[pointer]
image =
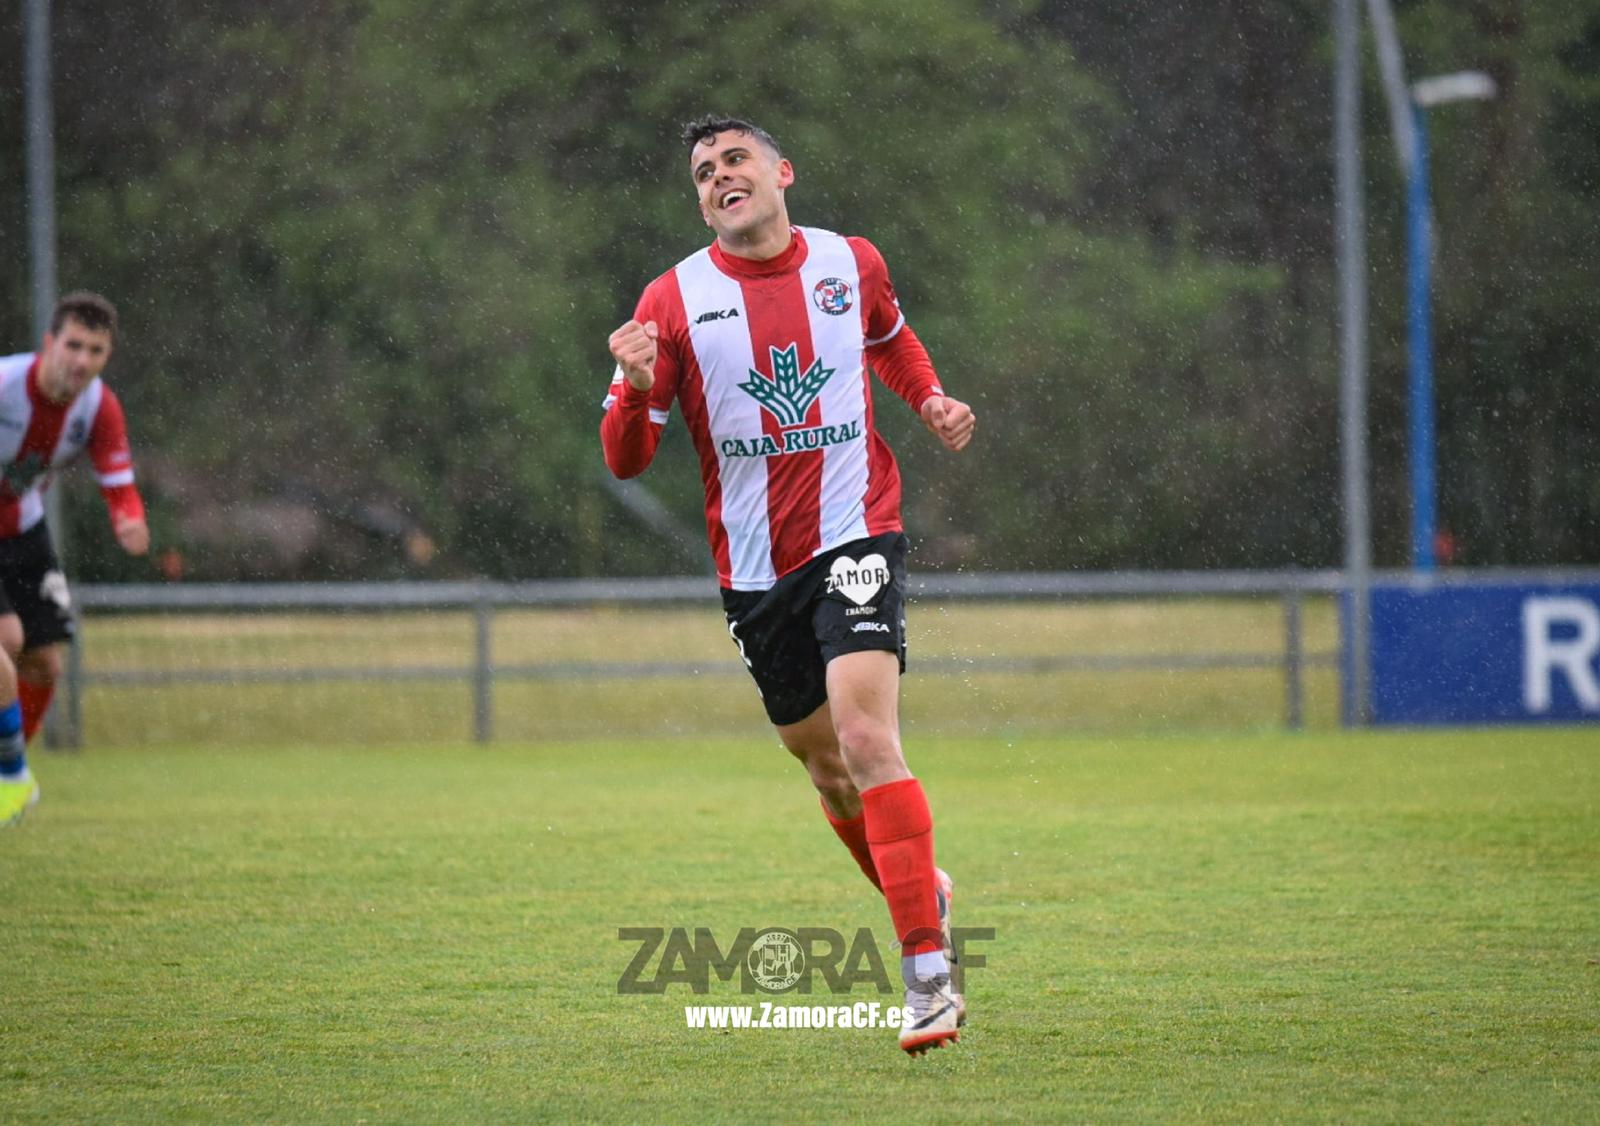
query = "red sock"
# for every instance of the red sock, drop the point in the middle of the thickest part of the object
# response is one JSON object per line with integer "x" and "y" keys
{"x": 854, "y": 835}
{"x": 900, "y": 833}
{"x": 35, "y": 696}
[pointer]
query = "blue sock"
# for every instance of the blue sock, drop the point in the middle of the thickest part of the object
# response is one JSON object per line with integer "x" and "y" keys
{"x": 13, "y": 762}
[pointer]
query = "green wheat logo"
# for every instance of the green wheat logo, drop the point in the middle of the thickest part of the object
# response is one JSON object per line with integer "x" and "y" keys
{"x": 788, "y": 395}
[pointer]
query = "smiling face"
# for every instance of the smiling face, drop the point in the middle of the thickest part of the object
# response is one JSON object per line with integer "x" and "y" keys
{"x": 740, "y": 182}
{"x": 71, "y": 358}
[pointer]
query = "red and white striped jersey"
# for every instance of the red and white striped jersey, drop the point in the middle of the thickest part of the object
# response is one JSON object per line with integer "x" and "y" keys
{"x": 37, "y": 436}
{"x": 769, "y": 363}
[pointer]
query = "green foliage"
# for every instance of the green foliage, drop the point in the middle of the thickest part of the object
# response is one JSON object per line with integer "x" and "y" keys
{"x": 368, "y": 254}
{"x": 1516, "y": 217}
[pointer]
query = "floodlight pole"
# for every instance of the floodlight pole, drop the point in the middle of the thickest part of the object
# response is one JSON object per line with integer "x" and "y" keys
{"x": 41, "y": 164}
{"x": 41, "y": 157}
{"x": 1425, "y": 94}
{"x": 1419, "y": 344}
{"x": 1351, "y": 245}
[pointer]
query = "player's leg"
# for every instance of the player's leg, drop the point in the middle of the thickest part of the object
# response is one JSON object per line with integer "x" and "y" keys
{"x": 863, "y": 693}
{"x": 18, "y": 790}
{"x": 860, "y": 627}
{"x": 863, "y": 697}
{"x": 858, "y": 622}
{"x": 37, "y": 588}
{"x": 37, "y": 674}
{"x": 39, "y": 669}
{"x": 814, "y": 743}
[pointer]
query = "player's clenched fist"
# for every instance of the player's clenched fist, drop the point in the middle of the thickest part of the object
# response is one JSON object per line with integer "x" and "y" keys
{"x": 634, "y": 347}
{"x": 951, "y": 419}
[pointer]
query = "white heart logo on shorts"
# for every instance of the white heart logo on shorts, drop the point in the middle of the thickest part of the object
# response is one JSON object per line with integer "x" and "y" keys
{"x": 858, "y": 581}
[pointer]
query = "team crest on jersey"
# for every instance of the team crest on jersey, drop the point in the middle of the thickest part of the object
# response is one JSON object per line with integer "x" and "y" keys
{"x": 788, "y": 397}
{"x": 833, "y": 296}
{"x": 78, "y": 431}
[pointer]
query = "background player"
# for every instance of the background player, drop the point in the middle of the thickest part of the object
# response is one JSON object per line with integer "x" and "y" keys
{"x": 764, "y": 340}
{"x": 53, "y": 406}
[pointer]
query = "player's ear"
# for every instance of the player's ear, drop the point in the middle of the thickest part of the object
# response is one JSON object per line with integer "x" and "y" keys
{"x": 785, "y": 173}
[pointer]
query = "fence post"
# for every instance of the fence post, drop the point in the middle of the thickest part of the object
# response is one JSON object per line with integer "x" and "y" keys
{"x": 64, "y": 729}
{"x": 482, "y": 670}
{"x": 1294, "y": 699}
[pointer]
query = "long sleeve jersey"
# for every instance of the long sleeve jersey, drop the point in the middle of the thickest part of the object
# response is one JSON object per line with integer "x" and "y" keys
{"x": 37, "y": 436}
{"x": 770, "y": 365}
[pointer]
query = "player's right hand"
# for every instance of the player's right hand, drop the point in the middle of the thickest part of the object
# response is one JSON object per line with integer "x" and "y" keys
{"x": 634, "y": 348}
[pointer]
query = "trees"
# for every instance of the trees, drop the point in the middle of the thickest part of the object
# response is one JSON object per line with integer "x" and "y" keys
{"x": 368, "y": 254}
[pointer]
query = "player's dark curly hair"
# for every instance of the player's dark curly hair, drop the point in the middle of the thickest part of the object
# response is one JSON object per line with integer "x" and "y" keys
{"x": 704, "y": 128}
{"x": 89, "y": 309}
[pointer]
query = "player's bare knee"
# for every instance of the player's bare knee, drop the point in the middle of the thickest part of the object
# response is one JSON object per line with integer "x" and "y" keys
{"x": 867, "y": 740}
{"x": 11, "y": 636}
{"x": 810, "y": 743}
{"x": 823, "y": 762}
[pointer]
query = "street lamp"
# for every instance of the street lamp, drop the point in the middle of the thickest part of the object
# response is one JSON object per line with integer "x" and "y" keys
{"x": 1425, "y": 94}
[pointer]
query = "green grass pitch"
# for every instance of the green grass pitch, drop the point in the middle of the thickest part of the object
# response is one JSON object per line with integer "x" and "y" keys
{"x": 1390, "y": 927}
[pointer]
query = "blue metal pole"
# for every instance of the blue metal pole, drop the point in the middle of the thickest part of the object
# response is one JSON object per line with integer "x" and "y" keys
{"x": 1419, "y": 342}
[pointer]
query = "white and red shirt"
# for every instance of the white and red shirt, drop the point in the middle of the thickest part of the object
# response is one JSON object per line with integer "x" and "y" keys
{"x": 769, "y": 363}
{"x": 37, "y": 436}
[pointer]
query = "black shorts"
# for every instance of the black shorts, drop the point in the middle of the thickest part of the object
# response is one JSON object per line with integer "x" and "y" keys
{"x": 849, "y": 599}
{"x": 33, "y": 587}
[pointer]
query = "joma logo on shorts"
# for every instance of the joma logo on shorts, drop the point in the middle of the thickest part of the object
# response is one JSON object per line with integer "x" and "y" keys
{"x": 869, "y": 627}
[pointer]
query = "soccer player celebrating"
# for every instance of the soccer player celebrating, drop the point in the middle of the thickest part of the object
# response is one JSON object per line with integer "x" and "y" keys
{"x": 765, "y": 339}
{"x": 53, "y": 406}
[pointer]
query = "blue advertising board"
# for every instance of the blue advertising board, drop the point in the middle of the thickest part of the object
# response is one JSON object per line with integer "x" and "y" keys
{"x": 1446, "y": 654}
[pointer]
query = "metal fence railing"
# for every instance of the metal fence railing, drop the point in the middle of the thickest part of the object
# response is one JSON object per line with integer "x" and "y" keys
{"x": 473, "y": 659}
{"x": 485, "y": 600}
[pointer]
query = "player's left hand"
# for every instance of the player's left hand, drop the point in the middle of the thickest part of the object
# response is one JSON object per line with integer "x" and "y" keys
{"x": 133, "y": 536}
{"x": 950, "y": 419}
